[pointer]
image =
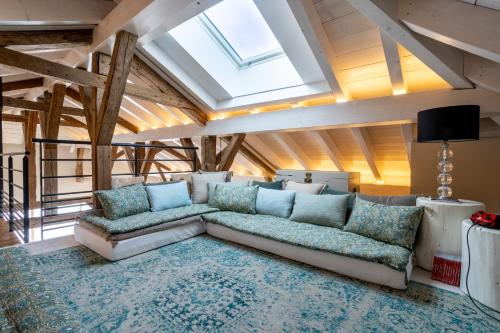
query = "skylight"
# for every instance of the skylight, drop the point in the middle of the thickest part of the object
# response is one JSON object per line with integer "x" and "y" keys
{"x": 242, "y": 31}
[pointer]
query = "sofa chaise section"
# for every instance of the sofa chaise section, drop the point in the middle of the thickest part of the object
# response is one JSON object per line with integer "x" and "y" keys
{"x": 325, "y": 247}
{"x": 132, "y": 235}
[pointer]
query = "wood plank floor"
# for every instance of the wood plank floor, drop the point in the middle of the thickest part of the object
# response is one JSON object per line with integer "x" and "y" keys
{"x": 7, "y": 238}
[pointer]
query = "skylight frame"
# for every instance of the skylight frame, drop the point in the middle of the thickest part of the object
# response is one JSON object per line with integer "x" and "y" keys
{"x": 230, "y": 51}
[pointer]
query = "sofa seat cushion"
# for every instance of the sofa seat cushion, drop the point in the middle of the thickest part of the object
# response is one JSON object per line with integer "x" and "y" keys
{"x": 144, "y": 220}
{"x": 314, "y": 237}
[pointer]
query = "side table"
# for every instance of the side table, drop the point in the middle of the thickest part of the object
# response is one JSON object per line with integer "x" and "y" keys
{"x": 484, "y": 274}
{"x": 440, "y": 230}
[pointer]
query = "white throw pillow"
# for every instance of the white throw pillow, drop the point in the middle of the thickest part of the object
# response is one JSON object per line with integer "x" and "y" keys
{"x": 121, "y": 181}
{"x": 200, "y": 185}
{"x": 309, "y": 188}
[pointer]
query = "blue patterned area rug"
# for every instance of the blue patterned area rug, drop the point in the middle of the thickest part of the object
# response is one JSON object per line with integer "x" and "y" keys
{"x": 207, "y": 285}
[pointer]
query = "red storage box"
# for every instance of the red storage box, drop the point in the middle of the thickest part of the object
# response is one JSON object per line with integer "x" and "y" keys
{"x": 446, "y": 269}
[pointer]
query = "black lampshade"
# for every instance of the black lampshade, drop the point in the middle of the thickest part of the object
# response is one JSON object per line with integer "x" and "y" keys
{"x": 449, "y": 123}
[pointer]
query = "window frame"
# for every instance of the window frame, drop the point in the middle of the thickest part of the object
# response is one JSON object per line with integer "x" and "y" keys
{"x": 219, "y": 38}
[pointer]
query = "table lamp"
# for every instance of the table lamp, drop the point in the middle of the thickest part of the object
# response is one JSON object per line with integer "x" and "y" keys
{"x": 445, "y": 124}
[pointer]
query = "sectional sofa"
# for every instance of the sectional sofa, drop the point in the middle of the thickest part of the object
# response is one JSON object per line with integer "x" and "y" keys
{"x": 309, "y": 228}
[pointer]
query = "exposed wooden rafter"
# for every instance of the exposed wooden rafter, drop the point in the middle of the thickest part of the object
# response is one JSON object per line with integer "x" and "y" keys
{"x": 230, "y": 151}
{"x": 48, "y": 38}
{"x": 29, "y": 63}
{"x": 313, "y": 30}
{"x": 22, "y": 84}
{"x": 293, "y": 149}
{"x": 38, "y": 106}
{"x": 329, "y": 147}
{"x": 142, "y": 71}
{"x": 463, "y": 25}
{"x": 116, "y": 82}
{"x": 247, "y": 151}
{"x": 387, "y": 110}
{"x": 444, "y": 61}
{"x": 394, "y": 65}
{"x": 362, "y": 138}
{"x": 407, "y": 133}
{"x": 191, "y": 153}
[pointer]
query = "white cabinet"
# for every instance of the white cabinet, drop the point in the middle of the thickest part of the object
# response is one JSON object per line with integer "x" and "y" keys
{"x": 340, "y": 181}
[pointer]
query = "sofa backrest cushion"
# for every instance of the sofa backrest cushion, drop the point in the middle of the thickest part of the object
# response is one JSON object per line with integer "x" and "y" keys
{"x": 309, "y": 188}
{"x": 277, "y": 185}
{"x": 168, "y": 195}
{"x": 327, "y": 210}
{"x": 396, "y": 225}
{"x": 183, "y": 176}
{"x": 391, "y": 200}
{"x": 200, "y": 181}
{"x": 121, "y": 181}
{"x": 240, "y": 199}
{"x": 213, "y": 185}
{"x": 350, "y": 200}
{"x": 123, "y": 201}
{"x": 275, "y": 202}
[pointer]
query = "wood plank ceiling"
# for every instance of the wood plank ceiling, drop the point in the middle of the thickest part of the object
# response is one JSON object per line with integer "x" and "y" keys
{"x": 363, "y": 56}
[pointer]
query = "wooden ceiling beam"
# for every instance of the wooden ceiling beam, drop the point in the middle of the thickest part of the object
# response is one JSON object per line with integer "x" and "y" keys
{"x": 254, "y": 157}
{"x": 21, "y": 119}
{"x": 171, "y": 151}
{"x": 264, "y": 149}
{"x": 55, "y": 109}
{"x": 229, "y": 153}
{"x": 73, "y": 121}
{"x": 119, "y": 68}
{"x": 47, "y": 38}
{"x": 32, "y": 64}
{"x": 77, "y": 96}
{"x": 362, "y": 138}
{"x": 463, "y": 25}
{"x": 407, "y": 133}
{"x": 286, "y": 141}
{"x": 329, "y": 147}
{"x": 155, "y": 82}
{"x": 443, "y": 60}
{"x": 22, "y": 84}
{"x": 310, "y": 23}
{"x": 394, "y": 65}
{"x": 387, "y": 110}
{"x": 38, "y": 106}
{"x": 191, "y": 153}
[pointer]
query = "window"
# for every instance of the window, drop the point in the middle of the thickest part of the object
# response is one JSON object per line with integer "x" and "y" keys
{"x": 240, "y": 29}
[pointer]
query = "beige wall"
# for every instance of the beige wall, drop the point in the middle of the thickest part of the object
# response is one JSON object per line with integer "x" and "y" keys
{"x": 476, "y": 173}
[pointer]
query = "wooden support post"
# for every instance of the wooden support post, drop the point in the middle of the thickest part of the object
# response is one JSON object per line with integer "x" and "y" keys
{"x": 147, "y": 164}
{"x": 29, "y": 129}
{"x": 229, "y": 153}
{"x": 50, "y": 130}
{"x": 80, "y": 152}
{"x": 209, "y": 152}
{"x": 121, "y": 59}
{"x": 139, "y": 154}
{"x": 129, "y": 154}
{"x": 191, "y": 153}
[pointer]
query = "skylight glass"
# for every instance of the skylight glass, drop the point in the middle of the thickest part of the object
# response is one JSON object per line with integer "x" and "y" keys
{"x": 242, "y": 31}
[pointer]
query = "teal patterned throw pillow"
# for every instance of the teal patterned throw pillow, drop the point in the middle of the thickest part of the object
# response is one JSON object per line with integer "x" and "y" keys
{"x": 396, "y": 225}
{"x": 235, "y": 198}
{"x": 123, "y": 201}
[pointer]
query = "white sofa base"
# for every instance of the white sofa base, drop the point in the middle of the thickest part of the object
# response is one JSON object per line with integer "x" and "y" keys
{"x": 356, "y": 268}
{"x": 133, "y": 246}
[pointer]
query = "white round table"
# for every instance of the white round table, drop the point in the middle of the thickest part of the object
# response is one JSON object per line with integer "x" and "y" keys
{"x": 484, "y": 275}
{"x": 440, "y": 230}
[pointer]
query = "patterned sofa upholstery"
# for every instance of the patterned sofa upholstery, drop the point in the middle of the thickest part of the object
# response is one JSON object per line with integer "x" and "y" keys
{"x": 326, "y": 247}
{"x": 135, "y": 234}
